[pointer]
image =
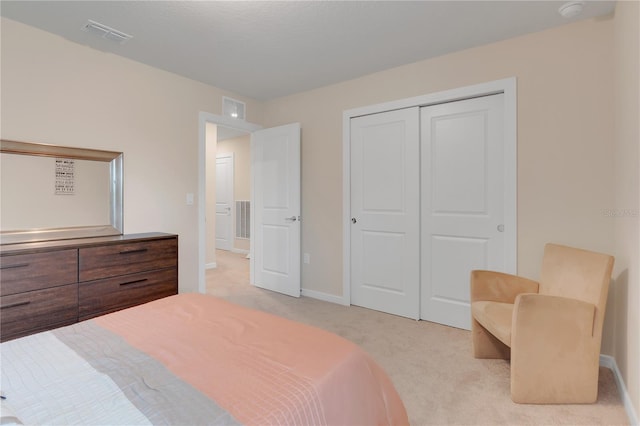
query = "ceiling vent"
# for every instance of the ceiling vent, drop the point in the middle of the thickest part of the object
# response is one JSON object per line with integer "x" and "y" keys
{"x": 106, "y": 32}
{"x": 233, "y": 108}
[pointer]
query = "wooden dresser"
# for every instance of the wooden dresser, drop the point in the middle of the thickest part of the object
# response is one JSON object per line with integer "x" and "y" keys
{"x": 50, "y": 284}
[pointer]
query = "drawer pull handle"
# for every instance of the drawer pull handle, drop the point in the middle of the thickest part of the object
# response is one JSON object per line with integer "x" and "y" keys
{"x": 17, "y": 265}
{"x": 14, "y": 305}
{"x": 134, "y": 282}
{"x": 142, "y": 250}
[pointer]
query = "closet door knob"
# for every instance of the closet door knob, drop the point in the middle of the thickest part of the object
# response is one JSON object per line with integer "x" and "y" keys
{"x": 500, "y": 228}
{"x": 353, "y": 220}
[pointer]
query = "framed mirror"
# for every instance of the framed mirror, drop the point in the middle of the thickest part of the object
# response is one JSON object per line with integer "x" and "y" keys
{"x": 50, "y": 192}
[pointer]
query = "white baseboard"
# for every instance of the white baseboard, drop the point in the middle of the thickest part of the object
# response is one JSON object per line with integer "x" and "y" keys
{"x": 212, "y": 265}
{"x": 610, "y": 363}
{"x": 239, "y": 251}
{"x": 322, "y": 296}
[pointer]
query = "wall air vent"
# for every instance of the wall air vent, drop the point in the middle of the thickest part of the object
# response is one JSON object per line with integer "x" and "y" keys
{"x": 243, "y": 219}
{"x": 106, "y": 32}
{"x": 233, "y": 108}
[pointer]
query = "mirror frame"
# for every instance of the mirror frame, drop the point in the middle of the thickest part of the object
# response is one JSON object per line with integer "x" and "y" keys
{"x": 115, "y": 160}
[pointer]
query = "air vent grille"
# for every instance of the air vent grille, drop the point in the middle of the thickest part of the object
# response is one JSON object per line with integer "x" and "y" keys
{"x": 106, "y": 32}
{"x": 233, "y": 108}
{"x": 243, "y": 217}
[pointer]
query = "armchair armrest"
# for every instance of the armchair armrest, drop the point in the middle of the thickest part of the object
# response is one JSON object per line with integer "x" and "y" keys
{"x": 548, "y": 317}
{"x": 554, "y": 356}
{"x": 499, "y": 287}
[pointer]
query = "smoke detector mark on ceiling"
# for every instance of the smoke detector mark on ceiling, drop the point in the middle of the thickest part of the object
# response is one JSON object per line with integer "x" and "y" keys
{"x": 106, "y": 32}
{"x": 571, "y": 9}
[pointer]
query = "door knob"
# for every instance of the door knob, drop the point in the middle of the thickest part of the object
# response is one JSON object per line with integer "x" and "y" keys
{"x": 353, "y": 220}
{"x": 500, "y": 228}
{"x": 290, "y": 219}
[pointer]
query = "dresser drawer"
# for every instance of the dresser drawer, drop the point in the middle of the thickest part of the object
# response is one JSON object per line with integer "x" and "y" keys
{"x": 127, "y": 258}
{"x": 112, "y": 294}
{"x": 35, "y": 271}
{"x": 33, "y": 311}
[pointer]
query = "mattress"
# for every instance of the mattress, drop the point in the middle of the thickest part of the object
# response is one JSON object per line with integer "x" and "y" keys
{"x": 193, "y": 359}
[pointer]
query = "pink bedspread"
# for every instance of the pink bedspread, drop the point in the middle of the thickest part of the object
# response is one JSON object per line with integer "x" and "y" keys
{"x": 261, "y": 368}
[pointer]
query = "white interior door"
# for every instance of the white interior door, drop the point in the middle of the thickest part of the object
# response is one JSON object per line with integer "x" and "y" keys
{"x": 224, "y": 201}
{"x": 275, "y": 221}
{"x": 463, "y": 173}
{"x": 385, "y": 177}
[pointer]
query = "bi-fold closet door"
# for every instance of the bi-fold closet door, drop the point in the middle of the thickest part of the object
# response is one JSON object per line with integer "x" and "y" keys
{"x": 427, "y": 204}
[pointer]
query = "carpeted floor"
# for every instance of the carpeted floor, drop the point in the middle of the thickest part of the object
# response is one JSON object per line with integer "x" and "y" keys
{"x": 431, "y": 365}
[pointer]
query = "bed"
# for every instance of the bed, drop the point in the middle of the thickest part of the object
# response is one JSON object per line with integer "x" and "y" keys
{"x": 193, "y": 359}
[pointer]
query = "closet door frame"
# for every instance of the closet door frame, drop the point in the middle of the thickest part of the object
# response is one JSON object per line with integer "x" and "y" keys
{"x": 508, "y": 87}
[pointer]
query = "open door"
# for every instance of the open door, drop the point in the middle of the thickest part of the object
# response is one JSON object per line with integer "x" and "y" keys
{"x": 275, "y": 221}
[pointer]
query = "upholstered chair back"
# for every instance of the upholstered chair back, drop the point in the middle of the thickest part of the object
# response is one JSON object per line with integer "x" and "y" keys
{"x": 577, "y": 274}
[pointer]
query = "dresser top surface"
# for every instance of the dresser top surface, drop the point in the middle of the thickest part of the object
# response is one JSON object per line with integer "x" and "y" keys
{"x": 8, "y": 249}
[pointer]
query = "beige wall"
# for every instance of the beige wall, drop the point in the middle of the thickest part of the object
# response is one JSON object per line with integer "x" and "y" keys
{"x": 626, "y": 210}
{"x": 58, "y": 92}
{"x": 565, "y": 123}
{"x": 241, "y": 149}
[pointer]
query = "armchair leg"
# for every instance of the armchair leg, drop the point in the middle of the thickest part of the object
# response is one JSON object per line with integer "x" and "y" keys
{"x": 485, "y": 345}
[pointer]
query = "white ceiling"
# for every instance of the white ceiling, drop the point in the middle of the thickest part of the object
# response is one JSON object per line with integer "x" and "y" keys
{"x": 268, "y": 49}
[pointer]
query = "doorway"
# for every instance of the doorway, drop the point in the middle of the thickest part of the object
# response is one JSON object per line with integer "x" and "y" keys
{"x": 275, "y": 197}
{"x": 233, "y": 190}
{"x": 208, "y": 135}
{"x": 227, "y": 175}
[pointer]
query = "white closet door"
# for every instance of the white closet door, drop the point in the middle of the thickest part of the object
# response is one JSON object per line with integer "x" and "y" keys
{"x": 224, "y": 201}
{"x": 385, "y": 212}
{"x": 462, "y": 200}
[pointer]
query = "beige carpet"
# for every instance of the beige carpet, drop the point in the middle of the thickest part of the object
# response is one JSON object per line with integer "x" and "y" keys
{"x": 431, "y": 365}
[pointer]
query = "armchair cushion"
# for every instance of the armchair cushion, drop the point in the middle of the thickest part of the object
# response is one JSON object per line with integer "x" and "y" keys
{"x": 495, "y": 317}
{"x": 492, "y": 297}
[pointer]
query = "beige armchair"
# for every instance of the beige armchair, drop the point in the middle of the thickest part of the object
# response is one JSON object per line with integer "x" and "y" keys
{"x": 550, "y": 330}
